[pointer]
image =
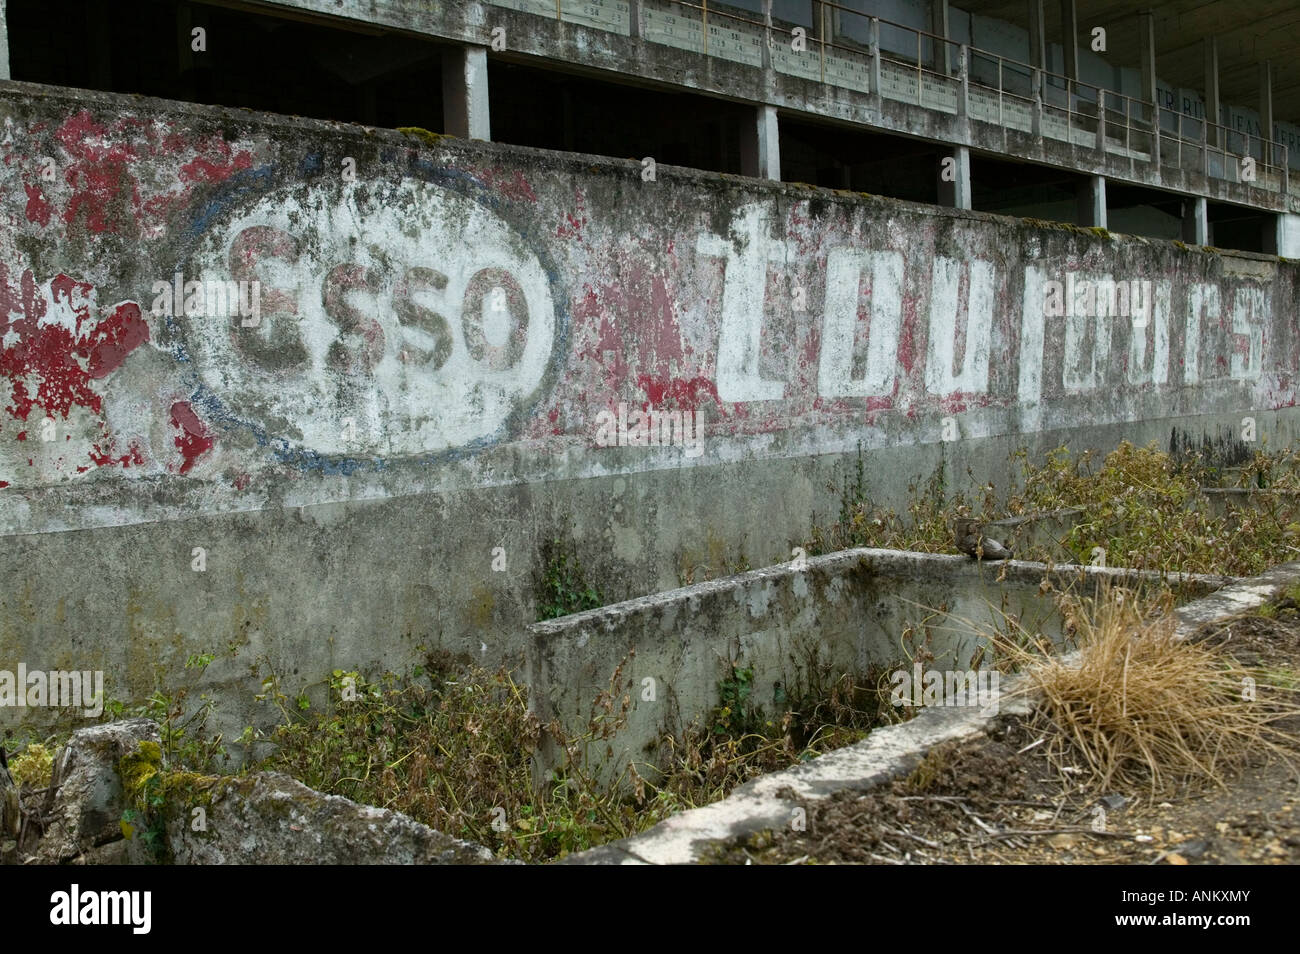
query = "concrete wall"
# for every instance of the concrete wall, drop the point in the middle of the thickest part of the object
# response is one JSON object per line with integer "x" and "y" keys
{"x": 442, "y": 339}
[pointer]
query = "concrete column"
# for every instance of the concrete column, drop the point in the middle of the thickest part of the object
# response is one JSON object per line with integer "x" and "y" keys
{"x": 4, "y": 44}
{"x": 760, "y": 147}
{"x": 1092, "y": 202}
{"x": 939, "y": 27}
{"x": 1288, "y": 235}
{"x": 1147, "y": 31}
{"x": 1037, "y": 35}
{"x": 1266, "y": 109}
{"x": 1070, "y": 38}
{"x": 956, "y": 194}
{"x": 1215, "y": 137}
{"x": 465, "y": 93}
{"x": 1196, "y": 221}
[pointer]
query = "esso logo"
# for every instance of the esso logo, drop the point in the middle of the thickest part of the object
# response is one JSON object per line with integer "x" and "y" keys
{"x": 395, "y": 318}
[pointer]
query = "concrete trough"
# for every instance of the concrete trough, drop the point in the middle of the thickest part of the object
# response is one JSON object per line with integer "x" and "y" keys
{"x": 889, "y": 753}
{"x": 848, "y": 612}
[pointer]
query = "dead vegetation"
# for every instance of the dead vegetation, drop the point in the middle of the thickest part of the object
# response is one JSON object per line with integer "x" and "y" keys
{"x": 1141, "y": 708}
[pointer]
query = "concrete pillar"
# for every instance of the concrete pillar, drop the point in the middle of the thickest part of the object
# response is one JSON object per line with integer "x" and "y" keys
{"x": 760, "y": 147}
{"x": 1092, "y": 202}
{"x": 4, "y": 44}
{"x": 1266, "y": 110}
{"x": 1147, "y": 36}
{"x": 1213, "y": 137}
{"x": 465, "y": 93}
{"x": 1070, "y": 37}
{"x": 955, "y": 193}
{"x": 1196, "y": 221}
{"x": 939, "y": 27}
{"x": 1037, "y": 35}
{"x": 1288, "y": 235}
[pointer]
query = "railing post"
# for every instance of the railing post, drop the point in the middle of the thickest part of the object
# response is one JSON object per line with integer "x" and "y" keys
{"x": 1155, "y": 136}
{"x": 821, "y": 32}
{"x": 1069, "y": 110}
{"x": 1205, "y": 146}
{"x": 1101, "y": 120}
{"x": 963, "y": 92}
{"x": 1001, "y": 118}
{"x": 920, "y": 71}
{"x": 1037, "y": 89}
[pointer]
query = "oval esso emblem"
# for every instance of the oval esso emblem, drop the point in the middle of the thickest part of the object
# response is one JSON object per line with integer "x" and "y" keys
{"x": 390, "y": 319}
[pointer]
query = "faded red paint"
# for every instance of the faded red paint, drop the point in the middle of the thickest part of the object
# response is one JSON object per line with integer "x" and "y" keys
{"x": 509, "y": 183}
{"x": 226, "y": 165}
{"x": 194, "y": 439}
{"x": 103, "y": 459}
{"x": 50, "y": 365}
{"x": 679, "y": 393}
{"x": 97, "y": 163}
{"x": 38, "y": 210}
{"x": 575, "y": 223}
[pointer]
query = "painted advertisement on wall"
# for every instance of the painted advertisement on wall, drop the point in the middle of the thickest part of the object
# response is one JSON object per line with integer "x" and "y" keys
{"x": 210, "y": 306}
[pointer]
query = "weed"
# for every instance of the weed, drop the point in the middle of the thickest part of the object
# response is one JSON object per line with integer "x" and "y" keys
{"x": 33, "y": 766}
{"x": 561, "y": 587}
{"x": 1143, "y": 507}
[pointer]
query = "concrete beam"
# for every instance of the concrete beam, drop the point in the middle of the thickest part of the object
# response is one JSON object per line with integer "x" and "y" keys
{"x": 760, "y": 147}
{"x": 4, "y": 43}
{"x": 1092, "y": 202}
{"x": 955, "y": 193}
{"x": 1037, "y": 35}
{"x": 1214, "y": 137}
{"x": 1070, "y": 37}
{"x": 1288, "y": 235}
{"x": 465, "y": 108}
{"x": 1196, "y": 221}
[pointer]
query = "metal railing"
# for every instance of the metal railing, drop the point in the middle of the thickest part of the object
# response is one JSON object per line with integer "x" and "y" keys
{"x": 938, "y": 73}
{"x": 1222, "y": 152}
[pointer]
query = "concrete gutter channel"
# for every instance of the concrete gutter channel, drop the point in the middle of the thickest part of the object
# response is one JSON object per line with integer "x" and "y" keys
{"x": 894, "y": 751}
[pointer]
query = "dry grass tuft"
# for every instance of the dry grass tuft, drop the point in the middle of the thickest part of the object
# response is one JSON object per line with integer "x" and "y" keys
{"x": 1142, "y": 709}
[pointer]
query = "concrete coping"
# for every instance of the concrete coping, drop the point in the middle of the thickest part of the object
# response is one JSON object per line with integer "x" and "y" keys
{"x": 893, "y": 751}
{"x": 909, "y": 563}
